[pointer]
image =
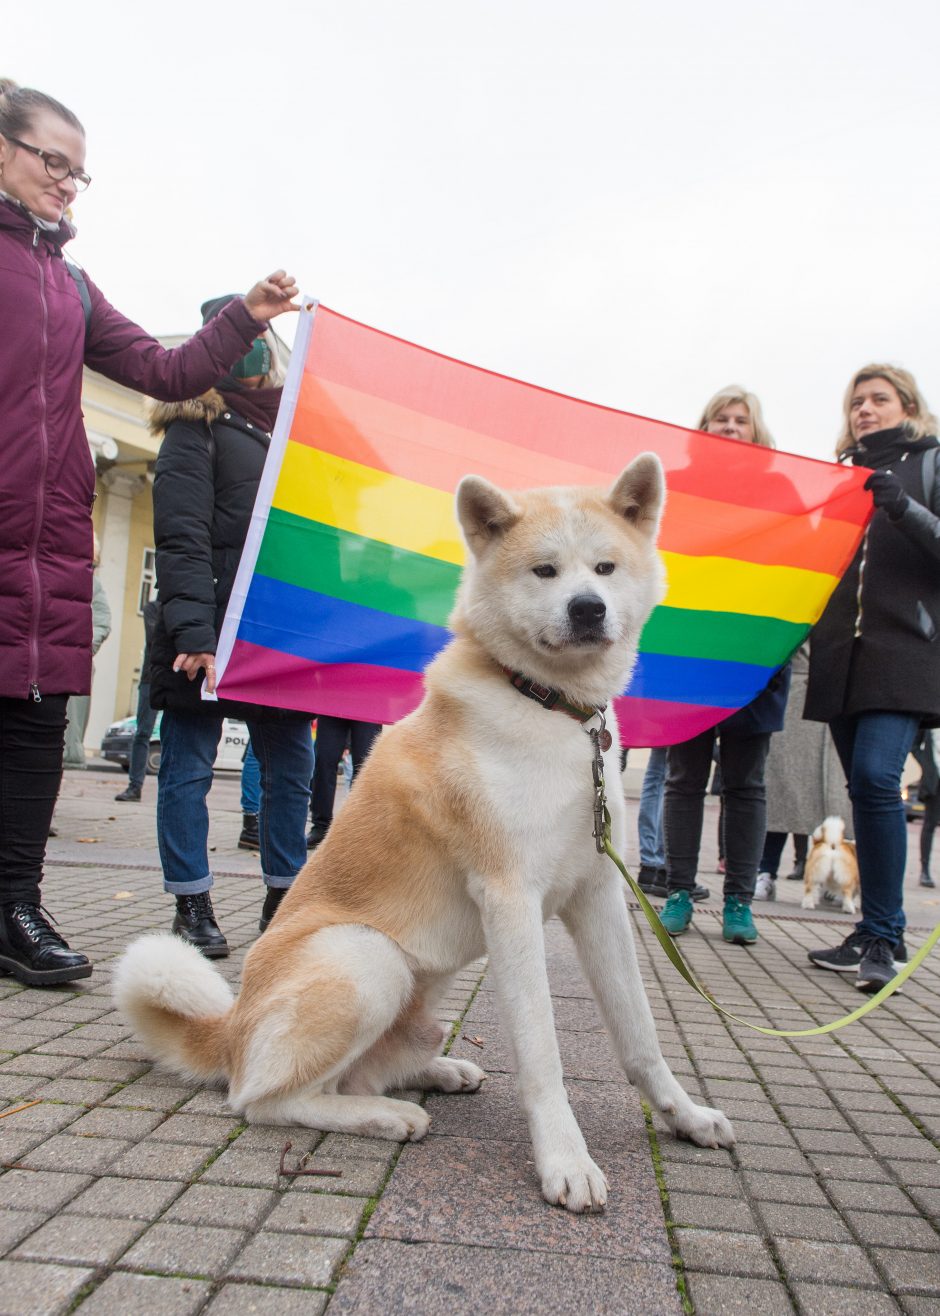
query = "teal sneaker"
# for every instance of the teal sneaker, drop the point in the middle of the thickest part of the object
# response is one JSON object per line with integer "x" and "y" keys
{"x": 677, "y": 913}
{"x": 737, "y": 925}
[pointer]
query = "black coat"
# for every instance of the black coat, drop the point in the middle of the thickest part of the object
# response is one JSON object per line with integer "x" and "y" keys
{"x": 876, "y": 646}
{"x": 204, "y": 487}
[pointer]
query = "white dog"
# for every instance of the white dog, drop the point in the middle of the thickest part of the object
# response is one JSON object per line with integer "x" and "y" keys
{"x": 471, "y": 824}
{"x": 831, "y": 867}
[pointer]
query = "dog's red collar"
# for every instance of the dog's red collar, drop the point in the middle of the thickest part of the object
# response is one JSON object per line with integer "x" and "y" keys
{"x": 555, "y": 702}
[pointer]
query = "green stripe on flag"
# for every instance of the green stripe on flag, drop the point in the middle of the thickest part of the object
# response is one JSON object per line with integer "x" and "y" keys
{"x": 725, "y": 636}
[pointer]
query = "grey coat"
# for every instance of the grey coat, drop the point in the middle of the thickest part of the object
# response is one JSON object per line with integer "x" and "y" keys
{"x": 804, "y": 778}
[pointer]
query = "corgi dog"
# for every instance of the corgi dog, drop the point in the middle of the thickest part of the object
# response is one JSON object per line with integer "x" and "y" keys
{"x": 470, "y": 825}
{"x": 831, "y": 867}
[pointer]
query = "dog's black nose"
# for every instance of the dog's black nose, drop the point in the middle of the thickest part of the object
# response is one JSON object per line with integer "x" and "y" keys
{"x": 586, "y": 610}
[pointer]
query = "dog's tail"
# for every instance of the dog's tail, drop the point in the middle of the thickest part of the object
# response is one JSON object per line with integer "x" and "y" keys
{"x": 177, "y": 1003}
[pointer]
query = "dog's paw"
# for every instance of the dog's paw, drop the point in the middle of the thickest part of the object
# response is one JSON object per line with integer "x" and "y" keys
{"x": 848, "y": 906}
{"x": 400, "y": 1121}
{"x": 575, "y": 1183}
{"x": 808, "y": 902}
{"x": 447, "y": 1074}
{"x": 702, "y": 1124}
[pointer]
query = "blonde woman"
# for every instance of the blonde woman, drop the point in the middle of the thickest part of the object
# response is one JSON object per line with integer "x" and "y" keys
{"x": 874, "y": 671}
{"x": 742, "y": 740}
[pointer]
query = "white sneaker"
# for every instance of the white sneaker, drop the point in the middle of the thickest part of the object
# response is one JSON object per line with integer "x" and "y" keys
{"x": 765, "y": 888}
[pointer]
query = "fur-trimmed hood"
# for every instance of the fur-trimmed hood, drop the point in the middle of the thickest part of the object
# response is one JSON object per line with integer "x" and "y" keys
{"x": 208, "y": 408}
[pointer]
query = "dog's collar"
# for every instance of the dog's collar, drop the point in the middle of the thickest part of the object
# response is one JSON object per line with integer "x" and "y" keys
{"x": 555, "y": 702}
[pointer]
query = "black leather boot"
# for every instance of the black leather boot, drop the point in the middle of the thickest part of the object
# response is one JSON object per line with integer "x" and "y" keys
{"x": 129, "y": 793}
{"x": 33, "y": 952}
{"x": 195, "y": 923}
{"x": 273, "y": 898}
{"x": 250, "y": 838}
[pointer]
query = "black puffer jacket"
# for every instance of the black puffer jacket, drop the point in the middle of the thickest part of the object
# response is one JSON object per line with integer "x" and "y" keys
{"x": 207, "y": 475}
{"x": 876, "y": 647}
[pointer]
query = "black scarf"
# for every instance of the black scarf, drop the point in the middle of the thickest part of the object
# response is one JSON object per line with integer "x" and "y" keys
{"x": 883, "y": 447}
{"x": 256, "y": 405}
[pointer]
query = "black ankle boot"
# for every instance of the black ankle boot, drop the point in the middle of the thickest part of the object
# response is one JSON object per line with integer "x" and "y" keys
{"x": 33, "y": 952}
{"x": 250, "y": 838}
{"x": 195, "y": 923}
{"x": 273, "y": 898}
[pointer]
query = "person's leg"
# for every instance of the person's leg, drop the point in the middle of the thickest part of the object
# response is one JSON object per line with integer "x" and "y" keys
{"x": 687, "y": 768}
{"x": 285, "y": 757}
{"x": 140, "y": 745}
{"x": 773, "y": 850}
{"x": 745, "y": 800}
{"x": 650, "y": 819}
{"x": 77, "y": 714}
{"x": 32, "y": 736}
{"x": 250, "y": 838}
{"x": 362, "y": 736}
{"x": 331, "y": 741}
{"x": 800, "y": 851}
{"x": 931, "y": 820}
{"x": 188, "y": 746}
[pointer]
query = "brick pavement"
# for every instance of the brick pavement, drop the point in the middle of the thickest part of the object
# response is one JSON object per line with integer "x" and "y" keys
{"x": 127, "y": 1188}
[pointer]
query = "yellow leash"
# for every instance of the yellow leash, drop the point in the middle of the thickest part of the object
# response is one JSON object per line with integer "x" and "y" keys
{"x": 669, "y": 946}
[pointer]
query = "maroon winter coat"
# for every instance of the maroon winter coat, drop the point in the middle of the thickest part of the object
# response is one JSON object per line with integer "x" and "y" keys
{"x": 47, "y": 477}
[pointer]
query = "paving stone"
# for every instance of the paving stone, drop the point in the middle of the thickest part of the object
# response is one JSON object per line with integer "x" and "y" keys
{"x": 106, "y": 1067}
{"x": 94, "y": 1240}
{"x": 272, "y": 1137}
{"x": 207, "y": 1130}
{"x": 718, "y": 1295}
{"x": 725, "y": 1253}
{"x": 359, "y": 1177}
{"x": 712, "y": 1212}
{"x": 64, "y": 1152}
{"x": 42, "y": 1191}
{"x": 231, "y": 1208}
{"x": 124, "y": 1293}
{"x": 31, "y": 1289}
{"x": 257, "y": 1169}
{"x": 849, "y": 1168}
{"x": 803, "y": 1258}
{"x": 786, "y": 1160}
{"x": 814, "y": 1222}
{"x": 389, "y": 1276}
{"x": 47, "y": 1118}
{"x": 103, "y": 1121}
{"x": 16, "y": 1225}
{"x": 32, "y": 1063}
{"x": 290, "y": 1259}
{"x": 799, "y": 1189}
{"x": 910, "y": 1272}
{"x": 928, "y": 1199}
{"x": 826, "y": 1140}
{"x": 713, "y": 1179}
{"x": 79, "y": 1091}
{"x": 134, "y": 1199}
{"x": 266, "y": 1300}
{"x": 870, "y": 1197}
{"x": 915, "y": 1306}
{"x": 162, "y": 1160}
{"x": 317, "y": 1213}
{"x": 902, "y": 1231}
{"x": 144, "y": 1096}
{"x": 177, "y": 1249}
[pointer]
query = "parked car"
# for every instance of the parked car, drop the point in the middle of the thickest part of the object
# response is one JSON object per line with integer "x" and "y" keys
{"x": 913, "y": 804}
{"x": 116, "y": 744}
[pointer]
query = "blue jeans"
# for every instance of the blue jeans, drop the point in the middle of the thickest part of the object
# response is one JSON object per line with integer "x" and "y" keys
{"x": 251, "y": 782}
{"x": 872, "y": 748}
{"x": 188, "y": 744}
{"x": 650, "y": 821}
{"x": 140, "y": 746}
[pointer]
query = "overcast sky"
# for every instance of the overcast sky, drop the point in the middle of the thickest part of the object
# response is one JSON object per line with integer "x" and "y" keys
{"x": 629, "y": 202}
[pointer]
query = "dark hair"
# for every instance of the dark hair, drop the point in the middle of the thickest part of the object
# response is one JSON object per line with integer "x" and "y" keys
{"x": 20, "y": 105}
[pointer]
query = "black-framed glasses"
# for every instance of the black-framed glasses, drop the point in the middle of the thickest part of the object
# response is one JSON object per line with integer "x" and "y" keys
{"x": 57, "y": 166}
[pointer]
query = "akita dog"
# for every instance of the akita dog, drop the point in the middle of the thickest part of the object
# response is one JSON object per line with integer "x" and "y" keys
{"x": 470, "y": 825}
{"x": 831, "y": 867}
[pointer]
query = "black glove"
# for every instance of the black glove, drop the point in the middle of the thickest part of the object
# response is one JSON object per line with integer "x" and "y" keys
{"x": 888, "y": 492}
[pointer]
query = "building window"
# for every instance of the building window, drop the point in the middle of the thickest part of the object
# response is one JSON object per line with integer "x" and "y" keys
{"x": 148, "y": 579}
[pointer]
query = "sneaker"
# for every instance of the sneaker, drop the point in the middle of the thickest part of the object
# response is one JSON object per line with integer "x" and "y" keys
{"x": 847, "y": 957}
{"x": 700, "y": 892}
{"x": 195, "y": 923}
{"x": 737, "y": 923}
{"x": 130, "y": 794}
{"x": 33, "y": 952}
{"x": 651, "y": 880}
{"x": 765, "y": 887}
{"x": 877, "y": 967}
{"x": 926, "y": 879}
{"x": 273, "y": 898}
{"x": 677, "y": 913}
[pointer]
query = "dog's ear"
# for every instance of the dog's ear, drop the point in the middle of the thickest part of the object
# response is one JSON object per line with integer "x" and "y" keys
{"x": 640, "y": 493}
{"x": 484, "y": 512}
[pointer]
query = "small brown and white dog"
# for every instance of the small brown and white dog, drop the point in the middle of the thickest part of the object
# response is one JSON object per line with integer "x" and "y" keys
{"x": 831, "y": 866}
{"x": 469, "y": 826}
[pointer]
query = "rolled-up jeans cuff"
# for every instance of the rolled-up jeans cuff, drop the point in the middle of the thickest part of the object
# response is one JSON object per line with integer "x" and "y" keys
{"x": 280, "y": 883}
{"x": 193, "y": 888}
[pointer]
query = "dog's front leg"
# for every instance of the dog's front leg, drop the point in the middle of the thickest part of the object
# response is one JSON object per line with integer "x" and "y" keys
{"x": 516, "y": 946}
{"x": 597, "y": 918}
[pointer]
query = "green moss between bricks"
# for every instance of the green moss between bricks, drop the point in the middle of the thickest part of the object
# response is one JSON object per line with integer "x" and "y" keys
{"x": 657, "y": 1159}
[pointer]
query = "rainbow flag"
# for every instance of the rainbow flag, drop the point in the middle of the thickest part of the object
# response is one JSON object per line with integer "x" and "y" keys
{"x": 353, "y": 557}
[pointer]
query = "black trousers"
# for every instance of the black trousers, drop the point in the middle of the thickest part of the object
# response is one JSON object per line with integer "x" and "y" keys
{"x": 332, "y": 735}
{"x": 32, "y": 739}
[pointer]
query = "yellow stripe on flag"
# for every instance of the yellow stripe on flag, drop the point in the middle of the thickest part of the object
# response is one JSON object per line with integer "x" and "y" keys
{"x": 724, "y": 584}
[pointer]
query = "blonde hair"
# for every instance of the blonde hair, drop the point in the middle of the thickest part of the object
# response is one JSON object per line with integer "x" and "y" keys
{"x": 727, "y": 397}
{"x": 919, "y": 421}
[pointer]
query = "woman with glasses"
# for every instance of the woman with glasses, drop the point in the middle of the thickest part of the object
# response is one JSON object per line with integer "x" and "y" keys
{"x": 54, "y": 322}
